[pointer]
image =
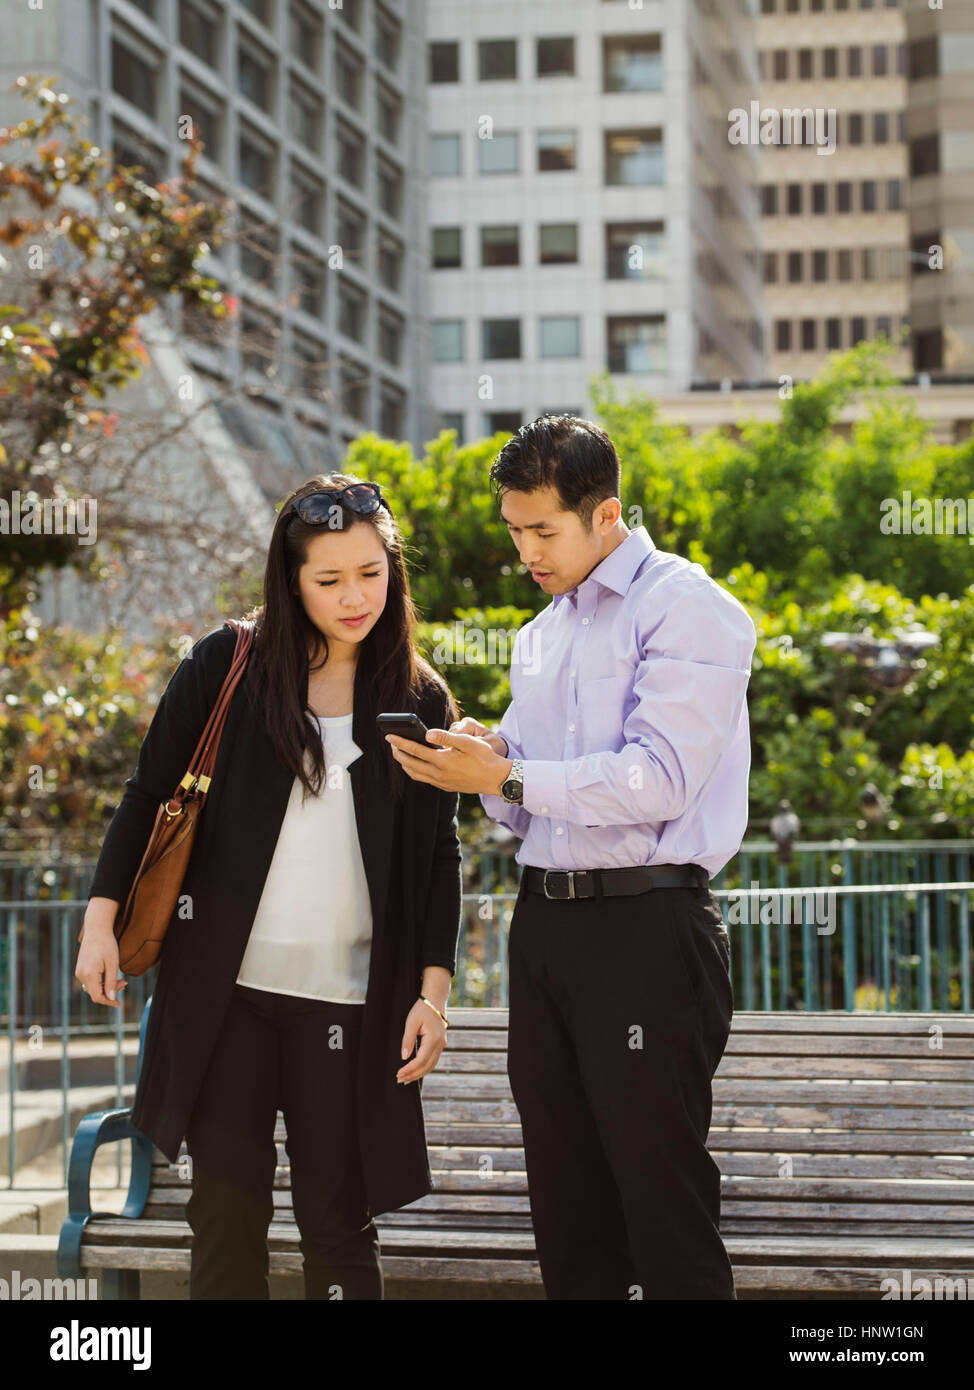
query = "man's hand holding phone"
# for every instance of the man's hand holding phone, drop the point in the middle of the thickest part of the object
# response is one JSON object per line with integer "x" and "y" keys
{"x": 471, "y": 726}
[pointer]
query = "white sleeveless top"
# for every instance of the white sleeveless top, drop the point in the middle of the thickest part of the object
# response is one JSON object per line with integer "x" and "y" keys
{"x": 313, "y": 930}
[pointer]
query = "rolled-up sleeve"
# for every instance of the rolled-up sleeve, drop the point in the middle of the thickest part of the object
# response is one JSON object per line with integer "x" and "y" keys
{"x": 515, "y": 817}
{"x": 165, "y": 755}
{"x": 690, "y": 684}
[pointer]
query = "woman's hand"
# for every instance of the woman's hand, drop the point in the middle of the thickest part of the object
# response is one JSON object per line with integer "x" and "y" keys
{"x": 97, "y": 966}
{"x": 421, "y": 1022}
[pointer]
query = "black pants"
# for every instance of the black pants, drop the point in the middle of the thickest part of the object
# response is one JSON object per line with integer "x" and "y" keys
{"x": 620, "y": 1010}
{"x": 280, "y": 1052}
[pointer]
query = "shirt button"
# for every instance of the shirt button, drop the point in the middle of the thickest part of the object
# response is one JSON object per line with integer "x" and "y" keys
{"x": 586, "y": 621}
{"x": 560, "y": 830}
{"x": 544, "y": 810}
{"x": 571, "y": 728}
{"x": 572, "y": 674}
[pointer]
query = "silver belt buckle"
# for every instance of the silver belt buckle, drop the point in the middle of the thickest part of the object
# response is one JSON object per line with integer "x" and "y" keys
{"x": 571, "y": 884}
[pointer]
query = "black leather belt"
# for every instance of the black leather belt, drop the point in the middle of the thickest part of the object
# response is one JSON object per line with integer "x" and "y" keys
{"x": 562, "y": 884}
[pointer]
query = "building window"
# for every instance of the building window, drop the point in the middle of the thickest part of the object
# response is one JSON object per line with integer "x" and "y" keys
{"x": 453, "y": 420}
{"x": 781, "y": 65}
{"x": 880, "y": 128}
{"x": 635, "y": 251}
{"x": 632, "y": 64}
{"x": 843, "y": 196}
{"x": 389, "y": 183}
{"x": 500, "y": 338}
{"x": 199, "y": 31}
{"x": 929, "y": 350}
{"x": 499, "y": 155}
{"x": 307, "y": 197}
{"x": 858, "y": 330}
{"x": 924, "y": 58}
{"x": 350, "y": 234}
{"x": 880, "y": 60}
{"x": 305, "y": 34}
{"x": 392, "y": 409}
{"x": 925, "y": 156}
{"x": 390, "y": 262}
{"x": 820, "y": 198}
{"x": 387, "y": 39}
{"x": 854, "y": 63}
{"x": 444, "y": 156}
{"x": 556, "y": 150}
{"x": 869, "y": 195}
{"x": 205, "y": 121}
{"x": 502, "y": 422}
{"x": 555, "y": 57}
{"x": 833, "y": 334}
{"x": 444, "y": 62}
{"x": 820, "y": 265}
{"x": 260, "y": 9}
{"x": 308, "y": 278}
{"x": 870, "y": 263}
{"x": 134, "y": 78}
{"x": 637, "y": 344}
{"x": 258, "y": 249}
{"x": 388, "y": 112}
{"x": 497, "y": 59}
{"x": 255, "y": 71}
{"x": 808, "y": 335}
{"x": 830, "y": 62}
{"x": 894, "y": 195}
{"x": 795, "y": 270}
{"x": 806, "y": 67}
{"x": 883, "y": 326}
{"x": 558, "y": 243}
{"x": 351, "y": 156}
{"x": 447, "y": 340}
{"x": 304, "y": 116}
{"x": 782, "y": 335}
{"x": 391, "y": 338}
{"x": 447, "y": 248}
{"x": 309, "y": 370}
{"x": 769, "y": 200}
{"x": 500, "y": 246}
{"x": 769, "y": 268}
{"x": 352, "y": 310}
{"x": 855, "y": 128}
{"x": 255, "y": 162}
{"x": 348, "y": 76}
{"x": 634, "y": 157}
{"x": 354, "y": 379}
{"x": 794, "y": 199}
{"x": 844, "y": 264}
{"x": 559, "y": 336}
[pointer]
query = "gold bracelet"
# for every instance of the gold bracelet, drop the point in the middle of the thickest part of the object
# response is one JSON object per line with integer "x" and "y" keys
{"x": 435, "y": 1009}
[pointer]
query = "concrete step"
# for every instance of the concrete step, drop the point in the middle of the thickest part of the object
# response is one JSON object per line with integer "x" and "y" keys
{"x": 38, "y": 1119}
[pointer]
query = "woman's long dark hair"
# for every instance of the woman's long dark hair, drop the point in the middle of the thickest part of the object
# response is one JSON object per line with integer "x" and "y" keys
{"x": 390, "y": 671}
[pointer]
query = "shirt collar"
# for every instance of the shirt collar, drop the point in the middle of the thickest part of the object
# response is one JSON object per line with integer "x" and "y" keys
{"x": 617, "y": 570}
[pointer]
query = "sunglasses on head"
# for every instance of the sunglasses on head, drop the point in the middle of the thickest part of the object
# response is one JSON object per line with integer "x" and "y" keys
{"x": 315, "y": 508}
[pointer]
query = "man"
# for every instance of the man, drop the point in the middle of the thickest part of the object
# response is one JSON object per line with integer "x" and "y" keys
{"x": 622, "y": 762}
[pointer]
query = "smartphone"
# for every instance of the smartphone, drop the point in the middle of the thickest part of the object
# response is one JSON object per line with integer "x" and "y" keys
{"x": 403, "y": 726}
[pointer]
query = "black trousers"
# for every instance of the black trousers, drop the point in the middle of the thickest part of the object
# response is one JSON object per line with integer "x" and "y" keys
{"x": 280, "y": 1052}
{"x": 620, "y": 1009}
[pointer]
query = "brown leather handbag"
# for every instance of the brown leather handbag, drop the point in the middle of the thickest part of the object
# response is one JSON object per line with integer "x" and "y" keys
{"x": 140, "y": 926}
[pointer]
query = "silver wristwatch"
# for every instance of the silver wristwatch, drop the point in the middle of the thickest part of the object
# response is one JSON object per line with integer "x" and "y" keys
{"x": 513, "y": 789}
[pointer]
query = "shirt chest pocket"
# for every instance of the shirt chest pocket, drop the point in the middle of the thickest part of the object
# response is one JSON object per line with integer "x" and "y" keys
{"x": 603, "y": 705}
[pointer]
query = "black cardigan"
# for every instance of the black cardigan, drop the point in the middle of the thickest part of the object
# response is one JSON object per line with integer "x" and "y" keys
{"x": 411, "y": 855}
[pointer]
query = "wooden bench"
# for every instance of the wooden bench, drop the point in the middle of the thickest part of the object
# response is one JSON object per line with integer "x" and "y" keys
{"x": 845, "y": 1143}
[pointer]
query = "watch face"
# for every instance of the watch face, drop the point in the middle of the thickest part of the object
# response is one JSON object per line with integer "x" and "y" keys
{"x": 512, "y": 789}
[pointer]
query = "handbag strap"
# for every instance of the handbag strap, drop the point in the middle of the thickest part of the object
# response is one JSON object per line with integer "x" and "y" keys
{"x": 204, "y": 759}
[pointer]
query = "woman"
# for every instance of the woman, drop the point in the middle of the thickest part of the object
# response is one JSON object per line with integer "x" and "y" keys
{"x": 316, "y": 935}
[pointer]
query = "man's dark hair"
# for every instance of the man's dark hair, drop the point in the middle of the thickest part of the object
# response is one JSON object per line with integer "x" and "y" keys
{"x": 575, "y": 457}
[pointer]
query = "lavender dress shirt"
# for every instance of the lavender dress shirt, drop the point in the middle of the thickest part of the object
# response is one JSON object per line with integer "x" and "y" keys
{"x": 628, "y": 709}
